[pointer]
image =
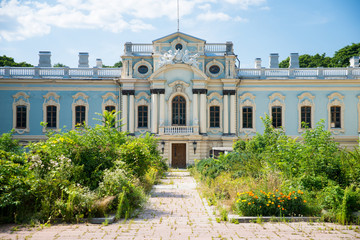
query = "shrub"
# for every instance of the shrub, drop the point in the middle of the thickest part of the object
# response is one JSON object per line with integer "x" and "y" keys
{"x": 260, "y": 203}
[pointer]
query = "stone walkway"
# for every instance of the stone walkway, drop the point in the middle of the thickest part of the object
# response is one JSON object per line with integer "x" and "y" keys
{"x": 176, "y": 211}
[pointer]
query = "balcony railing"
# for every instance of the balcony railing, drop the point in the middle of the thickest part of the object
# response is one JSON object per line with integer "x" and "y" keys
{"x": 148, "y": 48}
{"x": 310, "y": 73}
{"x": 178, "y": 130}
{"x": 36, "y": 72}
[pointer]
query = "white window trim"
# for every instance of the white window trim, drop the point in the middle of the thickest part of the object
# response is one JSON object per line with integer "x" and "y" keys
{"x": 188, "y": 102}
{"x": 278, "y": 100}
{"x": 51, "y": 99}
{"x": 306, "y": 99}
{"x": 109, "y": 99}
{"x": 247, "y": 100}
{"x": 140, "y": 63}
{"x": 336, "y": 99}
{"x": 214, "y": 62}
{"x": 215, "y": 103}
{"x": 139, "y": 103}
{"x": 80, "y": 99}
{"x": 21, "y": 99}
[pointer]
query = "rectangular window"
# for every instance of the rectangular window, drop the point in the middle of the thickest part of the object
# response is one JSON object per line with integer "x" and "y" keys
{"x": 335, "y": 114}
{"x": 247, "y": 117}
{"x": 306, "y": 116}
{"x": 51, "y": 116}
{"x": 214, "y": 116}
{"x": 276, "y": 116}
{"x": 79, "y": 115}
{"x": 142, "y": 116}
{"x": 21, "y": 117}
{"x": 110, "y": 108}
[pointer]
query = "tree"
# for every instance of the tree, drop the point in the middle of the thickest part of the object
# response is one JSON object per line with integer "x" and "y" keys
{"x": 340, "y": 59}
{"x": 60, "y": 65}
{"x": 342, "y": 56}
{"x": 116, "y": 65}
{"x": 9, "y": 62}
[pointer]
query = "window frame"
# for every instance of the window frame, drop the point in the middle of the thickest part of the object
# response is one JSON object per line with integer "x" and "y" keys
{"x": 214, "y": 121}
{"x": 143, "y": 117}
{"x": 21, "y": 99}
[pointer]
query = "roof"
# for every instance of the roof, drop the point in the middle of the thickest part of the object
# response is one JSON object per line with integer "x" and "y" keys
{"x": 178, "y": 34}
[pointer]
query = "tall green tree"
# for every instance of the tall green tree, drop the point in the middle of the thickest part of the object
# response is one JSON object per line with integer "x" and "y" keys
{"x": 10, "y": 62}
{"x": 340, "y": 58}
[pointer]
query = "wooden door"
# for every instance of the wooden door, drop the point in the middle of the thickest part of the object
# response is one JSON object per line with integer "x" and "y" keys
{"x": 178, "y": 159}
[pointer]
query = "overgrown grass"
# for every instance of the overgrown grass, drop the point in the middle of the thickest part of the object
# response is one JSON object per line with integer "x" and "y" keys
{"x": 86, "y": 172}
{"x": 327, "y": 176}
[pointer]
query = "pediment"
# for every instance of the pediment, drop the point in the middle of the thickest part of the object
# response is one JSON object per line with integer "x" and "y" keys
{"x": 185, "y": 37}
{"x": 175, "y": 72}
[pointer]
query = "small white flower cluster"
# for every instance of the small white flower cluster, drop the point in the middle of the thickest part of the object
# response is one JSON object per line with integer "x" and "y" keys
{"x": 36, "y": 162}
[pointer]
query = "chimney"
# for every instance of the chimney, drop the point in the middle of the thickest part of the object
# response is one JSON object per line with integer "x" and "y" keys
{"x": 294, "y": 60}
{"x": 99, "y": 63}
{"x": 83, "y": 60}
{"x": 44, "y": 59}
{"x": 354, "y": 62}
{"x": 258, "y": 63}
{"x": 229, "y": 48}
{"x": 128, "y": 48}
{"x": 274, "y": 60}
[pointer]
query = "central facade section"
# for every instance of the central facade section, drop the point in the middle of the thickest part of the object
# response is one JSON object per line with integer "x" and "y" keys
{"x": 182, "y": 90}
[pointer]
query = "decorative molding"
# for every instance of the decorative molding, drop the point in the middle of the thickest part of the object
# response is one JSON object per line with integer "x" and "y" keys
{"x": 211, "y": 63}
{"x": 142, "y": 102}
{"x": 214, "y": 95}
{"x": 51, "y": 99}
{"x": 306, "y": 99}
{"x": 80, "y": 99}
{"x": 143, "y": 95}
{"x": 278, "y": 100}
{"x": 229, "y": 92}
{"x": 128, "y": 92}
{"x": 247, "y": 95}
{"x": 21, "y": 99}
{"x": 20, "y": 94}
{"x": 188, "y": 102}
{"x": 179, "y": 82}
{"x": 157, "y": 91}
{"x": 215, "y": 130}
{"x": 108, "y": 95}
{"x": 200, "y": 91}
{"x": 336, "y": 99}
{"x": 247, "y": 100}
{"x": 140, "y": 63}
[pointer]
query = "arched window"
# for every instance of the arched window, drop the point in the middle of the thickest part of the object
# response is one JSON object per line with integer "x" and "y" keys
{"x": 178, "y": 111}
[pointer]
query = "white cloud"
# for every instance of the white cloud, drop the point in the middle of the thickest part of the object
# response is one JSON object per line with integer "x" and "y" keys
{"x": 212, "y": 16}
{"x": 22, "y": 19}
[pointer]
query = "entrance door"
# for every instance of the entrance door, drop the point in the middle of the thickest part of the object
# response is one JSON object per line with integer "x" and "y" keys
{"x": 178, "y": 159}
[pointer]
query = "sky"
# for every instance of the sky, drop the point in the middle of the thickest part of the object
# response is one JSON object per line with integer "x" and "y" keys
{"x": 101, "y": 27}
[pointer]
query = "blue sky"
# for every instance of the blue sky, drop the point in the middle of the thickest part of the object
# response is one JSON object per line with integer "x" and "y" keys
{"x": 101, "y": 27}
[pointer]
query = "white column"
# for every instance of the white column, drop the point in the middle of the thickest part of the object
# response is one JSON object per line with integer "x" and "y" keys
{"x": 226, "y": 114}
{"x": 162, "y": 108}
{"x": 232, "y": 114}
{"x": 124, "y": 112}
{"x": 131, "y": 114}
{"x": 195, "y": 109}
{"x": 203, "y": 107}
{"x": 154, "y": 113}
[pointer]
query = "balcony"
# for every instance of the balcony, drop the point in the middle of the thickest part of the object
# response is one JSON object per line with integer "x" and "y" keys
{"x": 179, "y": 130}
{"x": 299, "y": 73}
{"x": 59, "y": 73}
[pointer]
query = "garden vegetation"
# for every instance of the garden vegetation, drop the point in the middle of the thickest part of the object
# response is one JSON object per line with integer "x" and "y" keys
{"x": 81, "y": 173}
{"x": 272, "y": 174}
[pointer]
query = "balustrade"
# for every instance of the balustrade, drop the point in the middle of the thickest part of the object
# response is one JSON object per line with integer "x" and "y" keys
{"x": 215, "y": 47}
{"x": 178, "y": 130}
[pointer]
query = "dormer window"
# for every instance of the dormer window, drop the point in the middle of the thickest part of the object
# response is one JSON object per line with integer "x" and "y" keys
{"x": 178, "y": 46}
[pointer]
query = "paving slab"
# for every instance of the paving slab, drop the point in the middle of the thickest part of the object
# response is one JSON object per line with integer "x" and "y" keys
{"x": 175, "y": 210}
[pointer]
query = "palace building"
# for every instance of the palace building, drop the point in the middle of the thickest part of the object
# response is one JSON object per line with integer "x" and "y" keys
{"x": 192, "y": 95}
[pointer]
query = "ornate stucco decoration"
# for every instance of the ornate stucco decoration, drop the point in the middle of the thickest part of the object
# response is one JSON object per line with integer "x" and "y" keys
{"x": 306, "y": 99}
{"x": 336, "y": 99}
{"x": 51, "y": 99}
{"x": 247, "y": 100}
{"x": 179, "y": 56}
{"x": 179, "y": 86}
